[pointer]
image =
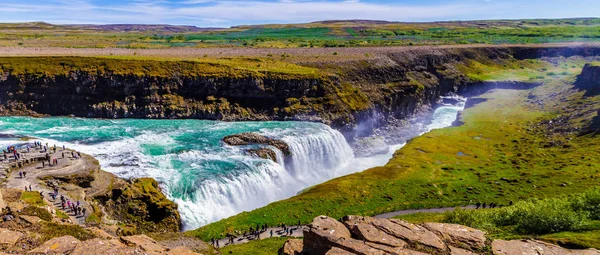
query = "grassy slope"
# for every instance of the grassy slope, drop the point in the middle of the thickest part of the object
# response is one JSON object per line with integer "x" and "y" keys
{"x": 324, "y": 34}
{"x": 222, "y": 67}
{"x": 499, "y": 155}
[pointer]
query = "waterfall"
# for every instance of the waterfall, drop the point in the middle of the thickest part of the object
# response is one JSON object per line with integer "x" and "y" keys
{"x": 208, "y": 180}
{"x": 317, "y": 154}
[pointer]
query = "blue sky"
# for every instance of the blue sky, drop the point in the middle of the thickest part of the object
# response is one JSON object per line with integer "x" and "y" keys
{"x": 212, "y": 13}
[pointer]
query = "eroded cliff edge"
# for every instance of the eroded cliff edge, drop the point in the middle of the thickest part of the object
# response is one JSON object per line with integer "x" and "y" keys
{"x": 345, "y": 94}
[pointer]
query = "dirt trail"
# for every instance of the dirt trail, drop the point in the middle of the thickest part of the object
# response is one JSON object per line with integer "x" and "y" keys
{"x": 67, "y": 165}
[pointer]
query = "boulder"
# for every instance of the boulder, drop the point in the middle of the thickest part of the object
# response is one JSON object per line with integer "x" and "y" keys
{"x": 30, "y": 219}
{"x": 458, "y": 235}
{"x": 361, "y": 229}
{"x": 145, "y": 243}
{"x": 57, "y": 245}
{"x": 265, "y": 153}
{"x": 253, "y": 138}
{"x": 459, "y": 251}
{"x": 9, "y": 237}
{"x": 589, "y": 79}
{"x": 324, "y": 232}
{"x": 292, "y": 247}
{"x": 411, "y": 233}
{"x": 502, "y": 247}
{"x": 104, "y": 247}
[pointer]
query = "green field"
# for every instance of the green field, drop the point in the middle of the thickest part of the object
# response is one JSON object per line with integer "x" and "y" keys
{"x": 507, "y": 150}
{"x": 318, "y": 34}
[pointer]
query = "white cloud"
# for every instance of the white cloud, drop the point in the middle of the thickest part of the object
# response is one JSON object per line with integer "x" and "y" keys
{"x": 232, "y": 12}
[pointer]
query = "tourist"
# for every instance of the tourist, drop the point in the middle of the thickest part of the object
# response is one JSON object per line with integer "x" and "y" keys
{"x": 24, "y": 174}
{"x": 30, "y": 188}
{"x": 83, "y": 212}
{"x": 21, "y": 175}
{"x": 271, "y": 233}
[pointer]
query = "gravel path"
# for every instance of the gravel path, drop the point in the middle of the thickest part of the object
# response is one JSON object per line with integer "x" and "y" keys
{"x": 34, "y": 172}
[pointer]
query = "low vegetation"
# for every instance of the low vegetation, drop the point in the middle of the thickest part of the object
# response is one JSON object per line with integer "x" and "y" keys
{"x": 261, "y": 247}
{"x": 311, "y": 35}
{"x": 32, "y": 198}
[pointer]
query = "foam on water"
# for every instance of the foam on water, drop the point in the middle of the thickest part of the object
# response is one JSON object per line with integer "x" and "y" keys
{"x": 207, "y": 179}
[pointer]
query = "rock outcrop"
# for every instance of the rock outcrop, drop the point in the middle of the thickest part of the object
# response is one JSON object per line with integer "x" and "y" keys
{"x": 366, "y": 235}
{"x": 257, "y": 139}
{"x": 141, "y": 203}
{"x": 589, "y": 79}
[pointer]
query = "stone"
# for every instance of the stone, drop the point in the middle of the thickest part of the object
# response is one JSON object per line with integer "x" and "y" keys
{"x": 100, "y": 233}
{"x": 57, "y": 245}
{"x": 324, "y": 232}
{"x": 526, "y": 247}
{"x": 293, "y": 247}
{"x": 181, "y": 250}
{"x": 104, "y": 247}
{"x": 410, "y": 233}
{"x": 9, "y": 237}
{"x": 253, "y": 138}
{"x": 458, "y": 235}
{"x": 459, "y": 251}
{"x": 149, "y": 245}
{"x": 2, "y": 203}
{"x": 30, "y": 219}
{"x": 367, "y": 232}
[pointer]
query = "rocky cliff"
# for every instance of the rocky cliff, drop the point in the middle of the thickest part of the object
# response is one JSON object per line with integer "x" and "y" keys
{"x": 351, "y": 95}
{"x": 589, "y": 79}
{"x": 370, "y": 236}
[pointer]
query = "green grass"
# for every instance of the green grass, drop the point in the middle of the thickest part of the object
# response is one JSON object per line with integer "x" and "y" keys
{"x": 49, "y": 230}
{"x": 158, "y": 67}
{"x": 32, "y": 198}
{"x": 267, "y": 246}
{"x": 62, "y": 215}
{"x": 502, "y": 153}
{"x": 40, "y": 212}
{"x": 331, "y": 34}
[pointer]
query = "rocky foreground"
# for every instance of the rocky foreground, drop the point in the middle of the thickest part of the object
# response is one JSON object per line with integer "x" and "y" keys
{"x": 119, "y": 216}
{"x": 366, "y": 235}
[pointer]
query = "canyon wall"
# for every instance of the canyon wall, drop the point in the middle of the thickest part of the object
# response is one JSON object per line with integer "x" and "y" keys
{"x": 344, "y": 94}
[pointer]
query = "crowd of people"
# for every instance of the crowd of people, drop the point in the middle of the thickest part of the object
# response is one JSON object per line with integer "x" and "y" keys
{"x": 254, "y": 233}
{"x": 47, "y": 158}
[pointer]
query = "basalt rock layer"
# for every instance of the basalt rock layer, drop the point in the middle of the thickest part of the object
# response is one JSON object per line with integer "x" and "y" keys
{"x": 351, "y": 95}
{"x": 589, "y": 79}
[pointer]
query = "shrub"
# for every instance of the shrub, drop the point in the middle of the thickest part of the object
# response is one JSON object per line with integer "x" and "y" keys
{"x": 545, "y": 216}
{"x": 589, "y": 203}
{"x": 37, "y": 211}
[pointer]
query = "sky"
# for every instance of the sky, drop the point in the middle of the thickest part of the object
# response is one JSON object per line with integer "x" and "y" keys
{"x": 213, "y": 13}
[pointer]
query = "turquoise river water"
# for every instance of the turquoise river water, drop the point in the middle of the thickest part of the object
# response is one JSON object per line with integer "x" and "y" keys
{"x": 207, "y": 179}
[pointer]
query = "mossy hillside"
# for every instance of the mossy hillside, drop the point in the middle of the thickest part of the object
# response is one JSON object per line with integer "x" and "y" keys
{"x": 141, "y": 205}
{"x": 157, "y": 67}
{"x": 503, "y": 153}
